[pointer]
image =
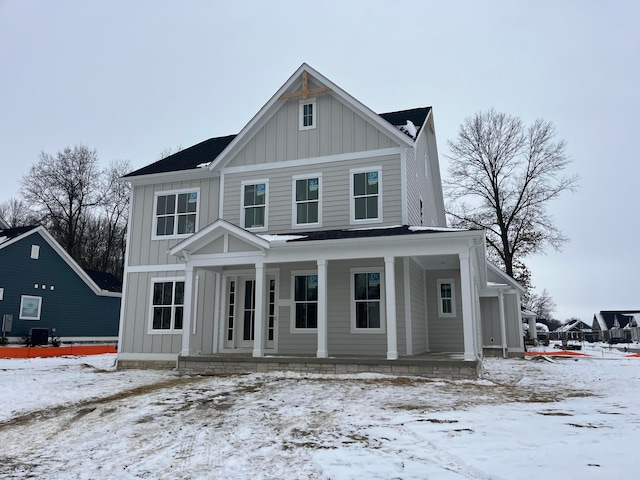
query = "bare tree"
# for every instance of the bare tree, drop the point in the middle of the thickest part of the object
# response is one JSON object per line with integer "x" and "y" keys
{"x": 541, "y": 304}
{"x": 62, "y": 188}
{"x": 502, "y": 176}
{"x": 16, "y": 213}
{"x": 167, "y": 152}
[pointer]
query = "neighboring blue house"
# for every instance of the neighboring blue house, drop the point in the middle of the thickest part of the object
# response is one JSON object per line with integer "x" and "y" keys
{"x": 43, "y": 288}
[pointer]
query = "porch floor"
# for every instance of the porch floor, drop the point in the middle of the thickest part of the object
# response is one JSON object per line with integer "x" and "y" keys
{"x": 430, "y": 365}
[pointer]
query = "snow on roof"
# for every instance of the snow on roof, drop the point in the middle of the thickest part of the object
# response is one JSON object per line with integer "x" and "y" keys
{"x": 419, "y": 228}
{"x": 542, "y": 327}
{"x": 410, "y": 129}
{"x": 3, "y": 239}
{"x": 528, "y": 313}
{"x": 496, "y": 284}
{"x": 203, "y": 165}
{"x": 281, "y": 238}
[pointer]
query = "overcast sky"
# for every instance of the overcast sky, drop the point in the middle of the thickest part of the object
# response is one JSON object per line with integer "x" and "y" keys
{"x": 133, "y": 78}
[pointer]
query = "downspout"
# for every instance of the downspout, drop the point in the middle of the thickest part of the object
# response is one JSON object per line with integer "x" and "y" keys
{"x": 503, "y": 323}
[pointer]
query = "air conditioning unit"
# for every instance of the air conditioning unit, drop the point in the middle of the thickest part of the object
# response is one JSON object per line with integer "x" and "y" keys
{"x": 39, "y": 336}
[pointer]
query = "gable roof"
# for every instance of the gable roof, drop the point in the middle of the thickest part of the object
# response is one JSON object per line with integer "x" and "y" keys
{"x": 605, "y": 319}
{"x": 210, "y": 150}
{"x": 14, "y": 235}
{"x": 105, "y": 281}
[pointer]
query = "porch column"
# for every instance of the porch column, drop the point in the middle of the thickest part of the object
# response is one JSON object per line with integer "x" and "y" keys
{"x": 322, "y": 310}
{"x": 468, "y": 320}
{"x": 259, "y": 320}
{"x": 188, "y": 309}
{"x": 390, "y": 299}
{"x": 533, "y": 334}
{"x": 503, "y": 324}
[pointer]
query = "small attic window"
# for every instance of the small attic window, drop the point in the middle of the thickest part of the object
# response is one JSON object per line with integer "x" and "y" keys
{"x": 35, "y": 251}
{"x": 308, "y": 114}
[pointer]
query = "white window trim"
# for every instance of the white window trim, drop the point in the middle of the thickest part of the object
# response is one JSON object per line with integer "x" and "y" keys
{"x": 439, "y": 282}
{"x": 150, "y": 329}
{"x": 314, "y": 117}
{"x": 352, "y": 208}
{"x": 292, "y": 317}
{"x": 352, "y": 301}
{"x": 294, "y": 205}
{"x": 35, "y": 252}
{"x": 30, "y": 297}
{"x": 266, "y": 204}
{"x": 154, "y": 236}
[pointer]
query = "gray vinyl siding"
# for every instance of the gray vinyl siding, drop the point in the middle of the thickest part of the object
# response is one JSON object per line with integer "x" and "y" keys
{"x": 490, "y": 317}
{"x": 420, "y": 180}
{"x": 202, "y": 341}
{"x": 145, "y": 251}
{"x": 339, "y": 130}
{"x": 418, "y": 309}
{"x": 513, "y": 330}
{"x": 136, "y": 338}
{"x": 445, "y": 333}
{"x": 335, "y": 193}
{"x": 340, "y": 339}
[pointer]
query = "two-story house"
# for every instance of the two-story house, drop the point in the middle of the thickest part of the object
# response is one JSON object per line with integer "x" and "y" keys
{"x": 317, "y": 232}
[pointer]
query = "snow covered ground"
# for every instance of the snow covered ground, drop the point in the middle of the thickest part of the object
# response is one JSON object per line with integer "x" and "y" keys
{"x": 78, "y": 418}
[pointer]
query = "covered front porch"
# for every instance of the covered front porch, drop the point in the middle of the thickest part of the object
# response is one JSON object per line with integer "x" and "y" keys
{"x": 253, "y": 324}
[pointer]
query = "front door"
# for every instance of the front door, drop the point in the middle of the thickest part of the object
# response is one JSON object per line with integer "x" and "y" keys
{"x": 241, "y": 312}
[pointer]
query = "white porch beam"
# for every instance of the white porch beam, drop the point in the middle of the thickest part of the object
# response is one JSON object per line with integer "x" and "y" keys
{"x": 260, "y": 317}
{"x": 468, "y": 320}
{"x": 322, "y": 310}
{"x": 390, "y": 300}
{"x": 188, "y": 310}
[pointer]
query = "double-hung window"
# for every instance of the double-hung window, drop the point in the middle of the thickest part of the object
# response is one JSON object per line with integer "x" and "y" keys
{"x": 306, "y": 200}
{"x": 176, "y": 213}
{"x": 254, "y": 204}
{"x": 366, "y": 195}
{"x": 308, "y": 114}
{"x": 167, "y": 304}
{"x": 446, "y": 298}
{"x": 30, "y": 307}
{"x": 367, "y": 301}
{"x": 305, "y": 297}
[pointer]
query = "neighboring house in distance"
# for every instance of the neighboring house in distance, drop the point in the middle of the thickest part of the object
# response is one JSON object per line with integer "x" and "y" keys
{"x": 574, "y": 329}
{"x": 613, "y": 324}
{"x": 318, "y": 231}
{"x": 43, "y": 288}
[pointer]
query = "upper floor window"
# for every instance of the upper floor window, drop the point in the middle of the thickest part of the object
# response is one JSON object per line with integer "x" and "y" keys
{"x": 366, "y": 195}
{"x": 167, "y": 304}
{"x": 308, "y": 114}
{"x": 367, "y": 301}
{"x": 306, "y": 204}
{"x": 446, "y": 298}
{"x": 305, "y": 296}
{"x": 254, "y": 204}
{"x": 176, "y": 213}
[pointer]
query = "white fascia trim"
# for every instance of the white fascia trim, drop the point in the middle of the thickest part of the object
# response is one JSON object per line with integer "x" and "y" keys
{"x": 507, "y": 279}
{"x": 168, "y": 357}
{"x": 156, "y": 268}
{"x": 173, "y": 176}
{"x": 305, "y": 162}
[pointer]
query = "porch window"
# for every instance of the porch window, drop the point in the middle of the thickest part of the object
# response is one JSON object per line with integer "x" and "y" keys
{"x": 367, "y": 307}
{"x": 366, "y": 195}
{"x": 176, "y": 213}
{"x": 446, "y": 298}
{"x": 306, "y": 301}
{"x": 254, "y": 204}
{"x": 167, "y": 305}
{"x": 306, "y": 202}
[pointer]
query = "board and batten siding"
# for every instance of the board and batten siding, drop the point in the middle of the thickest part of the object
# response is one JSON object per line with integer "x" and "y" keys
{"x": 490, "y": 314}
{"x": 338, "y": 130}
{"x": 514, "y": 333}
{"x": 145, "y": 251}
{"x": 136, "y": 338}
{"x": 445, "y": 333}
{"x": 334, "y": 193}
